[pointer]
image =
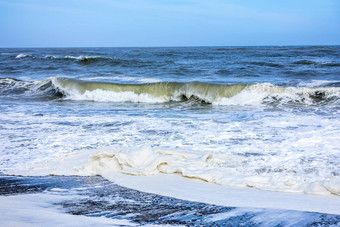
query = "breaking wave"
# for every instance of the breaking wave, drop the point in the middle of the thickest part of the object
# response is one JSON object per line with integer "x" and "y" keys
{"x": 10, "y": 87}
{"x": 81, "y": 59}
{"x": 23, "y": 56}
{"x": 90, "y": 59}
{"x": 206, "y": 93}
{"x": 197, "y": 92}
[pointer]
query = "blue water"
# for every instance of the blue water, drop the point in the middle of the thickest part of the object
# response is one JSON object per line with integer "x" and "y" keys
{"x": 278, "y": 65}
{"x": 282, "y": 127}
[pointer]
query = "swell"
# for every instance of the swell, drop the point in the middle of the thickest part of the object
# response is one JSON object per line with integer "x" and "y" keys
{"x": 83, "y": 60}
{"x": 14, "y": 88}
{"x": 111, "y": 60}
{"x": 315, "y": 63}
{"x": 87, "y": 60}
{"x": 189, "y": 92}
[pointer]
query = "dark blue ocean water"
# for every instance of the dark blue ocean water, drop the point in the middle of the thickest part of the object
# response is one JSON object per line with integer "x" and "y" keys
{"x": 278, "y": 65}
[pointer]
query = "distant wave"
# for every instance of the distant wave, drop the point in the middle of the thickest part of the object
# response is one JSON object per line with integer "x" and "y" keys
{"x": 82, "y": 59}
{"x": 308, "y": 62}
{"x": 190, "y": 92}
{"x": 23, "y": 56}
{"x": 89, "y": 59}
{"x": 268, "y": 64}
{"x": 50, "y": 57}
{"x": 86, "y": 60}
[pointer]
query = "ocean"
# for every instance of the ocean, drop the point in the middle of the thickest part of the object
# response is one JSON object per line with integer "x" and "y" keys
{"x": 163, "y": 120}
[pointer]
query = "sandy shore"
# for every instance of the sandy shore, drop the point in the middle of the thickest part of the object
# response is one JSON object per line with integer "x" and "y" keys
{"x": 94, "y": 201}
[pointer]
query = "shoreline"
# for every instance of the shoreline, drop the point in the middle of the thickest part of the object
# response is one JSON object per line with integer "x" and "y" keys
{"x": 96, "y": 201}
{"x": 182, "y": 188}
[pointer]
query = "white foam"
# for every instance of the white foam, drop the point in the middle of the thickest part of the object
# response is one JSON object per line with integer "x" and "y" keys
{"x": 50, "y": 57}
{"x": 23, "y": 55}
{"x": 194, "y": 190}
{"x": 251, "y": 95}
{"x": 73, "y": 57}
{"x": 36, "y": 210}
{"x": 264, "y": 217}
{"x": 287, "y": 151}
{"x": 81, "y": 57}
{"x": 222, "y": 169}
{"x": 303, "y": 157}
{"x": 258, "y": 94}
{"x": 125, "y": 78}
{"x": 149, "y": 80}
{"x": 111, "y": 96}
{"x": 143, "y": 172}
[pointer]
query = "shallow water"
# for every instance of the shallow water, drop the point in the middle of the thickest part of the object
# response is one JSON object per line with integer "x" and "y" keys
{"x": 94, "y": 201}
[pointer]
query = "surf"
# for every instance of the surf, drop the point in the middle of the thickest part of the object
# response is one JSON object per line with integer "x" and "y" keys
{"x": 205, "y": 93}
{"x": 164, "y": 92}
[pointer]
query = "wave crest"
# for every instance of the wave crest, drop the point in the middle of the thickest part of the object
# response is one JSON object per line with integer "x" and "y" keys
{"x": 87, "y": 59}
{"x": 23, "y": 56}
{"x": 160, "y": 92}
{"x": 218, "y": 94}
{"x": 149, "y": 92}
{"x": 10, "y": 87}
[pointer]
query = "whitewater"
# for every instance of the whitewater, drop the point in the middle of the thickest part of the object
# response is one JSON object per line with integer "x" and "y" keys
{"x": 261, "y": 123}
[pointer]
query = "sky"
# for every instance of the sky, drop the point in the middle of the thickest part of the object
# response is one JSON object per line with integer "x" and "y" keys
{"x": 149, "y": 23}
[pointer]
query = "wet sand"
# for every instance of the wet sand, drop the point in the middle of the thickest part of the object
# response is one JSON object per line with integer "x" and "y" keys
{"x": 95, "y": 197}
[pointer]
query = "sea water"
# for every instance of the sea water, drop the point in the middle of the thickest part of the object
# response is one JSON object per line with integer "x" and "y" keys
{"x": 246, "y": 117}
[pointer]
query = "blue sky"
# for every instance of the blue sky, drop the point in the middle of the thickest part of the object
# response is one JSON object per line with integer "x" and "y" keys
{"x": 116, "y": 23}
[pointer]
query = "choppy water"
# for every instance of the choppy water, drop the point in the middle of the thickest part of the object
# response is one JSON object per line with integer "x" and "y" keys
{"x": 263, "y": 117}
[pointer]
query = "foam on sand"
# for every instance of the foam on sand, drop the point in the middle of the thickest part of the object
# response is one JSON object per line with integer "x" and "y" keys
{"x": 36, "y": 210}
{"x": 161, "y": 171}
{"x": 194, "y": 190}
{"x": 213, "y": 168}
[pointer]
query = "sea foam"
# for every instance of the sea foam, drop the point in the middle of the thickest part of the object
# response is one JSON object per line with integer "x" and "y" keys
{"x": 219, "y": 168}
{"x": 23, "y": 55}
{"x": 224, "y": 169}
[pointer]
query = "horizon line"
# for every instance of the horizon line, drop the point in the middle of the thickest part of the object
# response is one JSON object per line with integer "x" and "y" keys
{"x": 174, "y": 46}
